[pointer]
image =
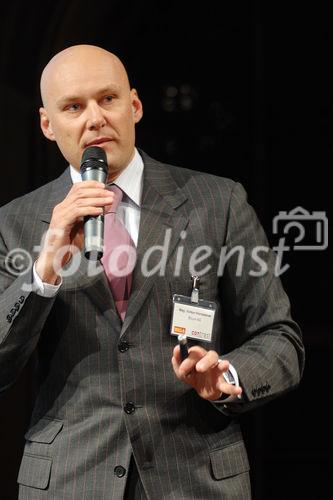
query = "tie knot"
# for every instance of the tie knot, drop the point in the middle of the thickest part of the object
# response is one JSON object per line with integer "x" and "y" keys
{"x": 118, "y": 196}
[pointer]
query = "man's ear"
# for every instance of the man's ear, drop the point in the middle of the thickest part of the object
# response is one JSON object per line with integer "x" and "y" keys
{"x": 136, "y": 106}
{"x": 45, "y": 124}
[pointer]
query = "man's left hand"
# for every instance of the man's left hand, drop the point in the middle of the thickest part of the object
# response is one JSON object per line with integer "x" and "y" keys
{"x": 203, "y": 370}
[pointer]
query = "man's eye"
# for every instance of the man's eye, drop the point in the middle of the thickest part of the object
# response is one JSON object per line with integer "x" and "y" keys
{"x": 108, "y": 98}
{"x": 73, "y": 107}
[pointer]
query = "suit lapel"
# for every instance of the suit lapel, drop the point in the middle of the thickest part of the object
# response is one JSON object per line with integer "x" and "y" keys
{"x": 160, "y": 225}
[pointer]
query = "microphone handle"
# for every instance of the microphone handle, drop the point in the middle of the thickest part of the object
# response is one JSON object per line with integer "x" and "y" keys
{"x": 94, "y": 226}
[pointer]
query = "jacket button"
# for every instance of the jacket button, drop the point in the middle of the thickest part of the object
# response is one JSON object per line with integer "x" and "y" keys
{"x": 9, "y": 318}
{"x": 17, "y": 306}
{"x": 129, "y": 408}
{"x": 119, "y": 471}
{"x": 13, "y": 311}
{"x": 21, "y": 299}
{"x": 123, "y": 346}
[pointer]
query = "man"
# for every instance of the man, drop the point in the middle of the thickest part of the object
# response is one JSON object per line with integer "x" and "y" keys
{"x": 118, "y": 412}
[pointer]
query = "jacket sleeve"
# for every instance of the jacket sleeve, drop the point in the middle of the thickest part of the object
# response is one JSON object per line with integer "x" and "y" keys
{"x": 265, "y": 344}
{"x": 23, "y": 314}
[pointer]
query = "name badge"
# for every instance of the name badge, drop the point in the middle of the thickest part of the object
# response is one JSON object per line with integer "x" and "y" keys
{"x": 193, "y": 319}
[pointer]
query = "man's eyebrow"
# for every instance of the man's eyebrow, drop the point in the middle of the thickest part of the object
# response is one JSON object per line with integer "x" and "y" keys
{"x": 110, "y": 88}
{"x": 75, "y": 98}
{"x": 66, "y": 100}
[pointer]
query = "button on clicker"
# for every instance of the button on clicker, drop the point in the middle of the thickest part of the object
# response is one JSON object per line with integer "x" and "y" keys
{"x": 9, "y": 318}
{"x": 119, "y": 471}
{"x": 129, "y": 407}
{"x": 17, "y": 306}
{"x": 21, "y": 299}
{"x": 123, "y": 346}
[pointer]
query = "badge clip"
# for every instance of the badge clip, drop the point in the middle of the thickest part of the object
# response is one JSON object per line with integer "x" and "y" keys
{"x": 195, "y": 289}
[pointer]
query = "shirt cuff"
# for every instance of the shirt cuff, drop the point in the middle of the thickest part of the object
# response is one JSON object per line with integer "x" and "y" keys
{"x": 231, "y": 376}
{"x": 44, "y": 289}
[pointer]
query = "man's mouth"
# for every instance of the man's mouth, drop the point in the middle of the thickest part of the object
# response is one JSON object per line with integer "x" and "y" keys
{"x": 98, "y": 141}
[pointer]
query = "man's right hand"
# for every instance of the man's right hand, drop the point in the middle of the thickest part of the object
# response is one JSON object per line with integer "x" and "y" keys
{"x": 65, "y": 234}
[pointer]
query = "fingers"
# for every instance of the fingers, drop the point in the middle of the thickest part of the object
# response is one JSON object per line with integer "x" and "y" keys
{"x": 88, "y": 194}
{"x": 176, "y": 360}
{"x": 89, "y": 189}
{"x": 229, "y": 389}
{"x": 214, "y": 370}
{"x": 203, "y": 370}
{"x": 84, "y": 198}
{"x": 198, "y": 360}
{"x": 183, "y": 368}
{"x": 209, "y": 360}
{"x": 87, "y": 198}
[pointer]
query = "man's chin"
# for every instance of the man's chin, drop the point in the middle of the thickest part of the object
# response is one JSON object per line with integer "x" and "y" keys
{"x": 114, "y": 171}
{"x": 116, "y": 164}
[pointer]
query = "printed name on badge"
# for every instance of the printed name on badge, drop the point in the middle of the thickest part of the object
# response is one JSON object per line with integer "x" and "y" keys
{"x": 193, "y": 320}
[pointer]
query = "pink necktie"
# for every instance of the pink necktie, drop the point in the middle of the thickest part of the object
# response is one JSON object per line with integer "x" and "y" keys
{"x": 119, "y": 255}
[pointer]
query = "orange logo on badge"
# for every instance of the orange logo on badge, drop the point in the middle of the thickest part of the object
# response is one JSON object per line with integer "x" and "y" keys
{"x": 179, "y": 329}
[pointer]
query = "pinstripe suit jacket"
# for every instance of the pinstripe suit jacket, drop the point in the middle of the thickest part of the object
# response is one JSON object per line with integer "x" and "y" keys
{"x": 90, "y": 365}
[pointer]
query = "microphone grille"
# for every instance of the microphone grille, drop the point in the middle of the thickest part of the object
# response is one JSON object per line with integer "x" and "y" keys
{"x": 94, "y": 158}
{"x": 94, "y": 153}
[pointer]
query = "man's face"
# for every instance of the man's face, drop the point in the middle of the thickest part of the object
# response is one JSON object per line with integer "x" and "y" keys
{"x": 88, "y": 102}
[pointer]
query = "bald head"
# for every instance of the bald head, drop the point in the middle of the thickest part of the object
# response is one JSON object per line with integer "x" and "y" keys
{"x": 87, "y": 101}
{"x": 75, "y": 57}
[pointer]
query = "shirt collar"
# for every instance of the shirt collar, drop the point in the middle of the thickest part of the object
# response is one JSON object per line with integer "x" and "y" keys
{"x": 130, "y": 180}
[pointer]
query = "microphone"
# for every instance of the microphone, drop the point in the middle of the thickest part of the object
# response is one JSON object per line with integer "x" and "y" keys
{"x": 94, "y": 167}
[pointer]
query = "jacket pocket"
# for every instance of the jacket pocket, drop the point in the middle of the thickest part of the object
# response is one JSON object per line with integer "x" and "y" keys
{"x": 44, "y": 431}
{"x": 35, "y": 471}
{"x": 229, "y": 461}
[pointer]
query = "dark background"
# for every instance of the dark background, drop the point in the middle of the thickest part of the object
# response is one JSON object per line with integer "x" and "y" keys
{"x": 239, "y": 89}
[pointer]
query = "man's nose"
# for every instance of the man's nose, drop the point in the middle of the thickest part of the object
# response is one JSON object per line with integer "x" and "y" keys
{"x": 95, "y": 117}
